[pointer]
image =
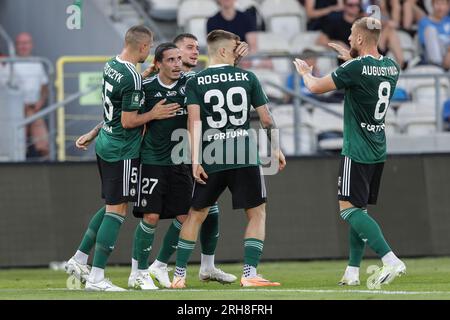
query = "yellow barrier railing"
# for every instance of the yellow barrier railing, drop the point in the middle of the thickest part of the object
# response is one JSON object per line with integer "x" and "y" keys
{"x": 59, "y": 83}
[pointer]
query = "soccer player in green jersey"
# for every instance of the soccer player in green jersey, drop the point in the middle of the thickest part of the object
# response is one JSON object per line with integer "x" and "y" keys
{"x": 117, "y": 149}
{"x": 369, "y": 80}
{"x": 209, "y": 232}
{"x": 220, "y": 98}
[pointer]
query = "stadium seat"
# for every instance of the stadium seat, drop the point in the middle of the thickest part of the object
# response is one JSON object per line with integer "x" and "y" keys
{"x": 264, "y": 76}
{"x": 283, "y": 115}
{"x": 407, "y": 45}
{"x": 243, "y": 5}
{"x": 417, "y": 118}
{"x": 285, "y": 17}
{"x": 164, "y": 9}
{"x": 193, "y": 15}
{"x": 269, "y": 42}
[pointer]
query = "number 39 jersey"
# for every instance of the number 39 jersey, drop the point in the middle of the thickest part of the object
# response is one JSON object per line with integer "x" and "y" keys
{"x": 225, "y": 95}
{"x": 369, "y": 84}
{"x": 121, "y": 92}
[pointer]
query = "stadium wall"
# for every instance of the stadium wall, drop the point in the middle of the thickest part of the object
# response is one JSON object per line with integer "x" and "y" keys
{"x": 46, "y": 21}
{"x": 46, "y": 207}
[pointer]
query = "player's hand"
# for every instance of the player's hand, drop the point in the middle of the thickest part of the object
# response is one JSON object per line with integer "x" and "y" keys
{"x": 281, "y": 161}
{"x": 241, "y": 51}
{"x": 302, "y": 67}
{"x": 343, "y": 52}
{"x": 147, "y": 72}
{"x": 199, "y": 173}
{"x": 164, "y": 111}
{"x": 84, "y": 141}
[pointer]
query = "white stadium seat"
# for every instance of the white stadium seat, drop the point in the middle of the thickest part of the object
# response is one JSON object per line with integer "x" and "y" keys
{"x": 265, "y": 75}
{"x": 417, "y": 118}
{"x": 284, "y": 118}
{"x": 407, "y": 45}
{"x": 269, "y": 42}
{"x": 285, "y": 17}
{"x": 243, "y": 5}
{"x": 193, "y": 15}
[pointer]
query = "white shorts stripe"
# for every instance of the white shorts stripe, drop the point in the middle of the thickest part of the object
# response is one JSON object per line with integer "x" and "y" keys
{"x": 349, "y": 174}
{"x": 263, "y": 183}
{"x": 139, "y": 185}
{"x": 124, "y": 177}
{"x": 344, "y": 177}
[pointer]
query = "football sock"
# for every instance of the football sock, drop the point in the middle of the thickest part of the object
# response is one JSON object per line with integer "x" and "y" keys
{"x": 207, "y": 262}
{"x": 88, "y": 241}
{"x": 142, "y": 244}
{"x": 367, "y": 229}
{"x": 96, "y": 275}
{"x": 252, "y": 254}
{"x": 81, "y": 257}
{"x": 185, "y": 248}
{"x": 209, "y": 232}
{"x": 159, "y": 264}
{"x": 352, "y": 272}
{"x": 134, "y": 266}
{"x": 249, "y": 271}
{"x": 357, "y": 247}
{"x": 106, "y": 238}
{"x": 390, "y": 259}
{"x": 170, "y": 242}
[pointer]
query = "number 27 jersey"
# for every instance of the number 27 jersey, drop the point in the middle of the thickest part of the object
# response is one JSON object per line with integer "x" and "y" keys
{"x": 369, "y": 85}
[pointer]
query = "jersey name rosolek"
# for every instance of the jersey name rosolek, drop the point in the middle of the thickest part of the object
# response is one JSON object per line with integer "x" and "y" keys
{"x": 223, "y": 77}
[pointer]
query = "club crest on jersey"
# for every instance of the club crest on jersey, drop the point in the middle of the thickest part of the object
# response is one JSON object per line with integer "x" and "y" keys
{"x": 171, "y": 93}
{"x": 182, "y": 90}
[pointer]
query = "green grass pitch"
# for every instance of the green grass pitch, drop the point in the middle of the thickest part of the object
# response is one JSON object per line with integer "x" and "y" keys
{"x": 427, "y": 278}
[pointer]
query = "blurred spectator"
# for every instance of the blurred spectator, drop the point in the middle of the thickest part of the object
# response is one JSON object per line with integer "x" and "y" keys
{"x": 434, "y": 34}
{"x": 34, "y": 85}
{"x": 446, "y": 115}
{"x": 4, "y": 71}
{"x": 310, "y": 56}
{"x": 232, "y": 20}
{"x": 318, "y": 10}
{"x": 404, "y": 14}
{"x": 352, "y": 11}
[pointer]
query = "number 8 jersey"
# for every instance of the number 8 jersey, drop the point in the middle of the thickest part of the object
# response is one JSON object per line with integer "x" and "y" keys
{"x": 121, "y": 92}
{"x": 225, "y": 95}
{"x": 369, "y": 84}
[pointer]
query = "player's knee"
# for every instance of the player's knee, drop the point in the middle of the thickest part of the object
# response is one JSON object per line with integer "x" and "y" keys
{"x": 198, "y": 216}
{"x": 257, "y": 214}
{"x": 181, "y": 218}
{"x": 120, "y": 209}
{"x": 151, "y": 218}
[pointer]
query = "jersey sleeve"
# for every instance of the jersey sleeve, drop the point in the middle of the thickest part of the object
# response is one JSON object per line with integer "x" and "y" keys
{"x": 132, "y": 93}
{"x": 347, "y": 75}
{"x": 258, "y": 96}
{"x": 192, "y": 96}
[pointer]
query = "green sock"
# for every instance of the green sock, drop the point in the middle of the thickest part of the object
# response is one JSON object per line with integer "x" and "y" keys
{"x": 209, "y": 232}
{"x": 252, "y": 251}
{"x": 366, "y": 228}
{"x": 184, "y": 251}
{"x": 170, "y": 242}
{"x": 106, "y": 238}
{"x": 357, "y": 247}
{"x": 142, "y": 243}
{"x": 88, "y": 241}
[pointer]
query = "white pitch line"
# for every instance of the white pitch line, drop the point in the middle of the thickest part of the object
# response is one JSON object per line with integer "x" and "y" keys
{"x": 378, "y": 292}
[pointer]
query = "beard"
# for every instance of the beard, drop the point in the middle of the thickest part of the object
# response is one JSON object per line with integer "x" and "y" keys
{"x": 354, "y": 52}
{"x": 189, "y": 65}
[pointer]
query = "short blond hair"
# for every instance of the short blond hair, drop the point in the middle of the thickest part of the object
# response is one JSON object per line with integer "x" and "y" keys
{"x": 137, "y": 34}
{"x": 215, "y": 37}
{"x": 371, "y": 28}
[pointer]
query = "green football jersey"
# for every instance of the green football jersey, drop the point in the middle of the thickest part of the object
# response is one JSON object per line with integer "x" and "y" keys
{"x": 121, "y": 92}
{"x": 369, "y": 84}
{"x": 158, "y": 143}
{"x": 225, "y": 95}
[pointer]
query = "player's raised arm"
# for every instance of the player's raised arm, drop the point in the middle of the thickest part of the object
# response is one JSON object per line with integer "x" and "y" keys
{"x": 195, "y": 133}
{"x": 268, "y": 123}
{"x": 314, "y": 84}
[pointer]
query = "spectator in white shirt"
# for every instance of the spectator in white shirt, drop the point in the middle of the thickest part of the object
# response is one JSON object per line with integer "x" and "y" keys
{"x": 33, "y": 82}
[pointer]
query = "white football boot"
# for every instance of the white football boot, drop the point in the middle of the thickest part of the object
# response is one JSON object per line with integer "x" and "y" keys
{"x": 216, "y": 274}
{"x": 161, "y": 274}
{"x": 78, "y": 270}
